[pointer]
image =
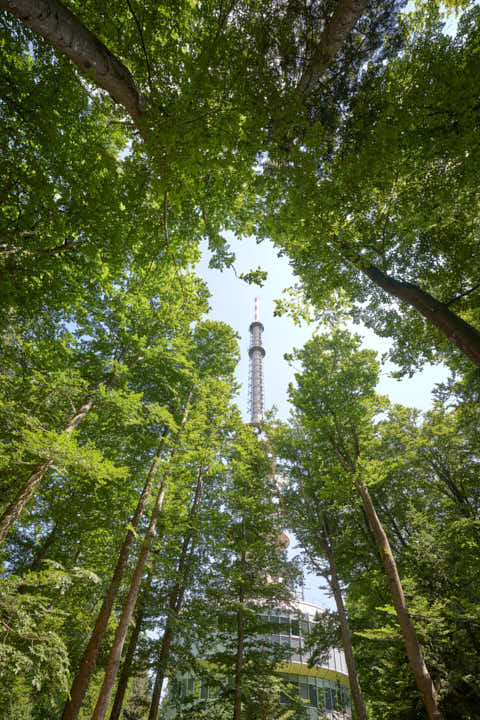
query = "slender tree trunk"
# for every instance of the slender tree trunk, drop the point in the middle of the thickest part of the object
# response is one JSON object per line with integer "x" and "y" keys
{"x": 417, "y": 663}
{"x": 176, "y": 600}
{"x": 438, "y": 314}
{"x": 89, "y": 659}
{"x": 355, "y": 688}
{"x": 160, "y": 676}
{"x": 126, "y": 670}
{"x": 45, "y": 547}
{"x": 15, "y": 508}
{"x": 237, "y": 703}
{"x": 65, "y": 32}
{"x": 175, "y": 605}
{"x": 115, "y": 655}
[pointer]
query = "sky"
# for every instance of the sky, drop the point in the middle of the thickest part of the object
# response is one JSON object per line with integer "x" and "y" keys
{"x": 232, "y": 300}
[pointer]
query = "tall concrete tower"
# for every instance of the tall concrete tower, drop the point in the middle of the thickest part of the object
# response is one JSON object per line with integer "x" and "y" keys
{"x": 256, "y": 353}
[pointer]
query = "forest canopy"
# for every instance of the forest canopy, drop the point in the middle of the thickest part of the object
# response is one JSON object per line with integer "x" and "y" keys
{"x": 140, "y": 515}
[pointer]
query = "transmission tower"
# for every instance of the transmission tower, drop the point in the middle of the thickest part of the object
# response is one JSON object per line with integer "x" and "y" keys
{"x": 256, "y": 353}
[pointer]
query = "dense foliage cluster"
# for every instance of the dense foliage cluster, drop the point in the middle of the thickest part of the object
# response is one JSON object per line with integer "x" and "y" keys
{"x": 139, "y": 515}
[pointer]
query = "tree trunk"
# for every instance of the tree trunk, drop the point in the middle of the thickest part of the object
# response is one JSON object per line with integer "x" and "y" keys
{"x": 115, "y": 655}
{"x": 237, "y": 704}
{"x": 15, "y": 508}
{"x": 438, "y": 314}
{"x": 65, "y": 32}
{"x": 417, "y": 663}
{"x": 126, "y": 671}
{"x": 175, "y": 601}
{"x": 175, "y": 605}
{"x": 129, "y": 606}
{"x": 337, "y": 29}
{"x": 355, "y": 688}
{"x": 45, "y": 547}
{"x": 160, "y": 676}
{"x": 89, "y": 659}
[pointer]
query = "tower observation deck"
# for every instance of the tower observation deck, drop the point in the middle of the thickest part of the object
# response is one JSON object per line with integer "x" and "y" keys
{"x": 256, "y": 354}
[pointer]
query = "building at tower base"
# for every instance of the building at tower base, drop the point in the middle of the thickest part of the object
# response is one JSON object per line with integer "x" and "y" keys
{"x": 323, "y": 689}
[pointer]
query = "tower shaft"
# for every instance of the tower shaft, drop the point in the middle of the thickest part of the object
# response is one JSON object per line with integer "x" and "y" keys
{"x": 256, "y": 353}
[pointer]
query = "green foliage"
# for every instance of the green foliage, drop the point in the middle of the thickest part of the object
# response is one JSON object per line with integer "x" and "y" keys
{"x": 34, "y": 658}
{"x": 396, "y": 189}
{"x": 375, "y": 165}
{"x": 324, "y": 635}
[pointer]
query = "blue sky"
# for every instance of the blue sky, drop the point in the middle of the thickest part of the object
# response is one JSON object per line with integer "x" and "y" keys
{"x": 232, "y": 301}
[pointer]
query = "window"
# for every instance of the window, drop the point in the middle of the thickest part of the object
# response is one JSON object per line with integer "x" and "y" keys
{"x": 303, "y": 689}
{"x": 295, "y": 625}
{"x": 345, "y": 698}
{"x": 312, "y": 691}
{"x": 204, "y": 691}
{"x": 295, "y": 643}
{"x": 291, "y": 690}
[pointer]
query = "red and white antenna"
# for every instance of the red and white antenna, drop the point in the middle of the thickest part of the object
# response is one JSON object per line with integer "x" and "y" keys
{"x": 256, "y": 309}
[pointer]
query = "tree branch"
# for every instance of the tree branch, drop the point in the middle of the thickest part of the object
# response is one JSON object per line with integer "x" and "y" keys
{"x": 452, "y": 326}
{"x": 139, "y": 28}
{"x": 332, "y": 39}
{"x": 65, "y": 32}
{"x": 462, "y": 295}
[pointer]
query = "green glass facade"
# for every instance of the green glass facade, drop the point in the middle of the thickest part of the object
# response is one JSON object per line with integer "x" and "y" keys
{"x": 323, "y": 689}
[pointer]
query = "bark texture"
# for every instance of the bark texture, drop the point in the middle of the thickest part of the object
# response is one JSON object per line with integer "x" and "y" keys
{"x": 332, "y": 39}
{"x": 89, "y": 659}
{"x": 334, "y": 583}
{"x": 438, "y": 314}
{"x": 175, "y": 600}
{"x": 62, "y": 29}
{"x": 115, "y": 655}
{"x": 116, "y": 649}
{"x": 415, "y": 656}
{"x": 126, "y": 670}
{"x": 23, "y": 496}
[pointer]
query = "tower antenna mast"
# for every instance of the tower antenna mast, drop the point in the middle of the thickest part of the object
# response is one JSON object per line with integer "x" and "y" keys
{"x": 256, "y": 353}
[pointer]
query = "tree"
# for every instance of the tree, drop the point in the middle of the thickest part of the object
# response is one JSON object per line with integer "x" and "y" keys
{"x": 374, "y": 213}
{"x": 193, "y": 512}
{"x": 208, "y": 363}
{"x": 242, "y": 580}
{"x": 335, "y": 394}
{"x": 427, "y": 501}
{"x": 307, "y": 470}
{"x": 126, "y": 329}
{"x": 203, "y": 129}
